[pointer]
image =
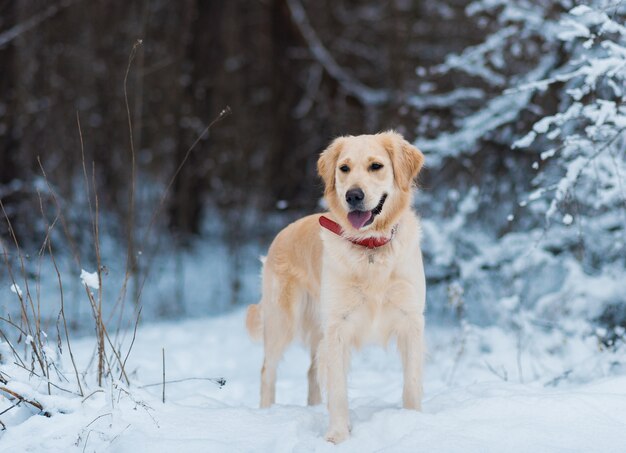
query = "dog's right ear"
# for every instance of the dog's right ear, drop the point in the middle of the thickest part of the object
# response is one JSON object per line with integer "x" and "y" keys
{"x": 328, "y": 161}
{"x": 406, "y": 159}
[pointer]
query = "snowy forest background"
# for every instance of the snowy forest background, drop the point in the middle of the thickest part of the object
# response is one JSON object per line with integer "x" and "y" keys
{"x": 106, "y": 163}
{"x": 518, "y": 107}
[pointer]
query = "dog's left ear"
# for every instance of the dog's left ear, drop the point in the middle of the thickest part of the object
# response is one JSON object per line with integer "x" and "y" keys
{"x": 407, "y": 160}
{"x": 327, "y": 162}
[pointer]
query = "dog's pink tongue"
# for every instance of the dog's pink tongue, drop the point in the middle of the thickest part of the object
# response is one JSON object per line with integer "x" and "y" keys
{"x": 359, "y": 218}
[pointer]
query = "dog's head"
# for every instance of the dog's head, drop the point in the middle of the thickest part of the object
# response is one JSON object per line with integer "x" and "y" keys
{"x": 369, "y": 179}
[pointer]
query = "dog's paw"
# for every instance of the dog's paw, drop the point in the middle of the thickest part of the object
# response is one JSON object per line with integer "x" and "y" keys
{"x": 336, "y": 436}
{"x": 412, "y": 405}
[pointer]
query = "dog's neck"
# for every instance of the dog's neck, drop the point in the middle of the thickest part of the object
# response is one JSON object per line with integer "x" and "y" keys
{"x": 370, "y": 243}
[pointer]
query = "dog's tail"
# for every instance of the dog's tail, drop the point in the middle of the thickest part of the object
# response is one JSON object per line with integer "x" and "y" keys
{"x": 254, "y": 321}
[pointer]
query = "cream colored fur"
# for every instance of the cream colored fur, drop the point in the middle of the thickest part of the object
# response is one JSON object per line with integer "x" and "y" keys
{"x": 335, "y": 295}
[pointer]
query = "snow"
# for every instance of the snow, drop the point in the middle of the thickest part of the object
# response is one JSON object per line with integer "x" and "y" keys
{"x": 568, "y": 219}
{"x": 481, "y": 395}
{"x": 15, "y": 288}
{"x": 573, "y": 30}
{"x": 580, "y": 10}
{"x": 90, "y": 279}
{"x": 548, "y": 154}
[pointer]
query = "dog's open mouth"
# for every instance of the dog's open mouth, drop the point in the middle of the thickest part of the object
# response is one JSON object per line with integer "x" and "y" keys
{"x": 360, "y": 219}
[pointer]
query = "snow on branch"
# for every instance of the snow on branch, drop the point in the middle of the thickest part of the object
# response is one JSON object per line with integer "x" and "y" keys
{"x": 445, "y": 100}
{"x": 498, "y": 111}
{"x": 472, "y": 60}
{"x": 592, "y": 120}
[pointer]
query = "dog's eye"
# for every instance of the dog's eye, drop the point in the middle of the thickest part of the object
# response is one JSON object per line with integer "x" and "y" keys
{"x": 376, "y": 166}
{"x": 344, "y": 168}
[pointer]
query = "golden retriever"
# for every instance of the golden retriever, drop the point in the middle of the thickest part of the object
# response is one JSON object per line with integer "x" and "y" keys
{"x": 352, "y": 275}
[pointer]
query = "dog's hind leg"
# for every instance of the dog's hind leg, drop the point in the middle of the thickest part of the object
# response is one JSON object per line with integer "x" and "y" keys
{"x": 278, "y": 331}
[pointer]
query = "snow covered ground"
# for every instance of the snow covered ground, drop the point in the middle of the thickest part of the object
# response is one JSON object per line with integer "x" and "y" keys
{"x": 486, "y": 390}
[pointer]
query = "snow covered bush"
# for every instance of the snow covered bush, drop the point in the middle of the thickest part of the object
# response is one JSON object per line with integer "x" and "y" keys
{"x": 581, "y": 179}
{"x": 584, "y": 166}
{"x": 540, "y": 118}
{"x": 520, "y": 47}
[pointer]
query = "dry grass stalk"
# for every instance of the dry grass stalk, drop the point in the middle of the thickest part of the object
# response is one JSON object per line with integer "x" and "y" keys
{"x": 59, "y": 216}
{"x": 12, "y": 395}
{"x": 33, "y": 336}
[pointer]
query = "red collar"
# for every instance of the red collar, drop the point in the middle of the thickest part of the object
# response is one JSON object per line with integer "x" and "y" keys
{"x": 370, "y": 243}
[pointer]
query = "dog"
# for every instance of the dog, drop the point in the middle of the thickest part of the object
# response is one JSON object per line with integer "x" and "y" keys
{"x": 351, "y": 275}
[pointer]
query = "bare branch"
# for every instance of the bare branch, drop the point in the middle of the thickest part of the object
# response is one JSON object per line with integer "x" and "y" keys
{"x": 12, "y": 395}
{"x": 21, "y": 28}
{"x": 365, "y": 94}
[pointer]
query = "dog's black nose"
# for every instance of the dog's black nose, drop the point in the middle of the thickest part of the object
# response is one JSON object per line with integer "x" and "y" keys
{"x": 354, "y": 197}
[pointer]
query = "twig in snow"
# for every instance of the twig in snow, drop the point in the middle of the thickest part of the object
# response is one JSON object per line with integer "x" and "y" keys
{"x": 119, "y": 434}
{"x": 221, "y": 382}
{"x": 10, "y": 407}
{"x": 98, "y": 312}
{"x": 103, "y": 334}
{"x": 141, "y": 404}
{"x": 15, "y": 353}
{"x": 502, "y": 374}
{"x": 58, "y": 274}
{"x": 48, "y": 381}
{"x": 92, "y": 394}
{"x": 554, "y": 382}
{"x": 96, "y": 419}
{"x": 132, "y": 342}
{"x": 16, "y": 396}
{"x": 37, "y": 351}
{"x": 94, "y": 215}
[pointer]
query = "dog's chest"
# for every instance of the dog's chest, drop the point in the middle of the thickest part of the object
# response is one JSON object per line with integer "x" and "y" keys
{"x": 370, "y": 270}
{"x": 377, "y": 308}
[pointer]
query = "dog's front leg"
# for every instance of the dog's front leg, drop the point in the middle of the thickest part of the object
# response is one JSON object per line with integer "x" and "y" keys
{"x": 336, "y": 357}
{"x": 411, "y": 347}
